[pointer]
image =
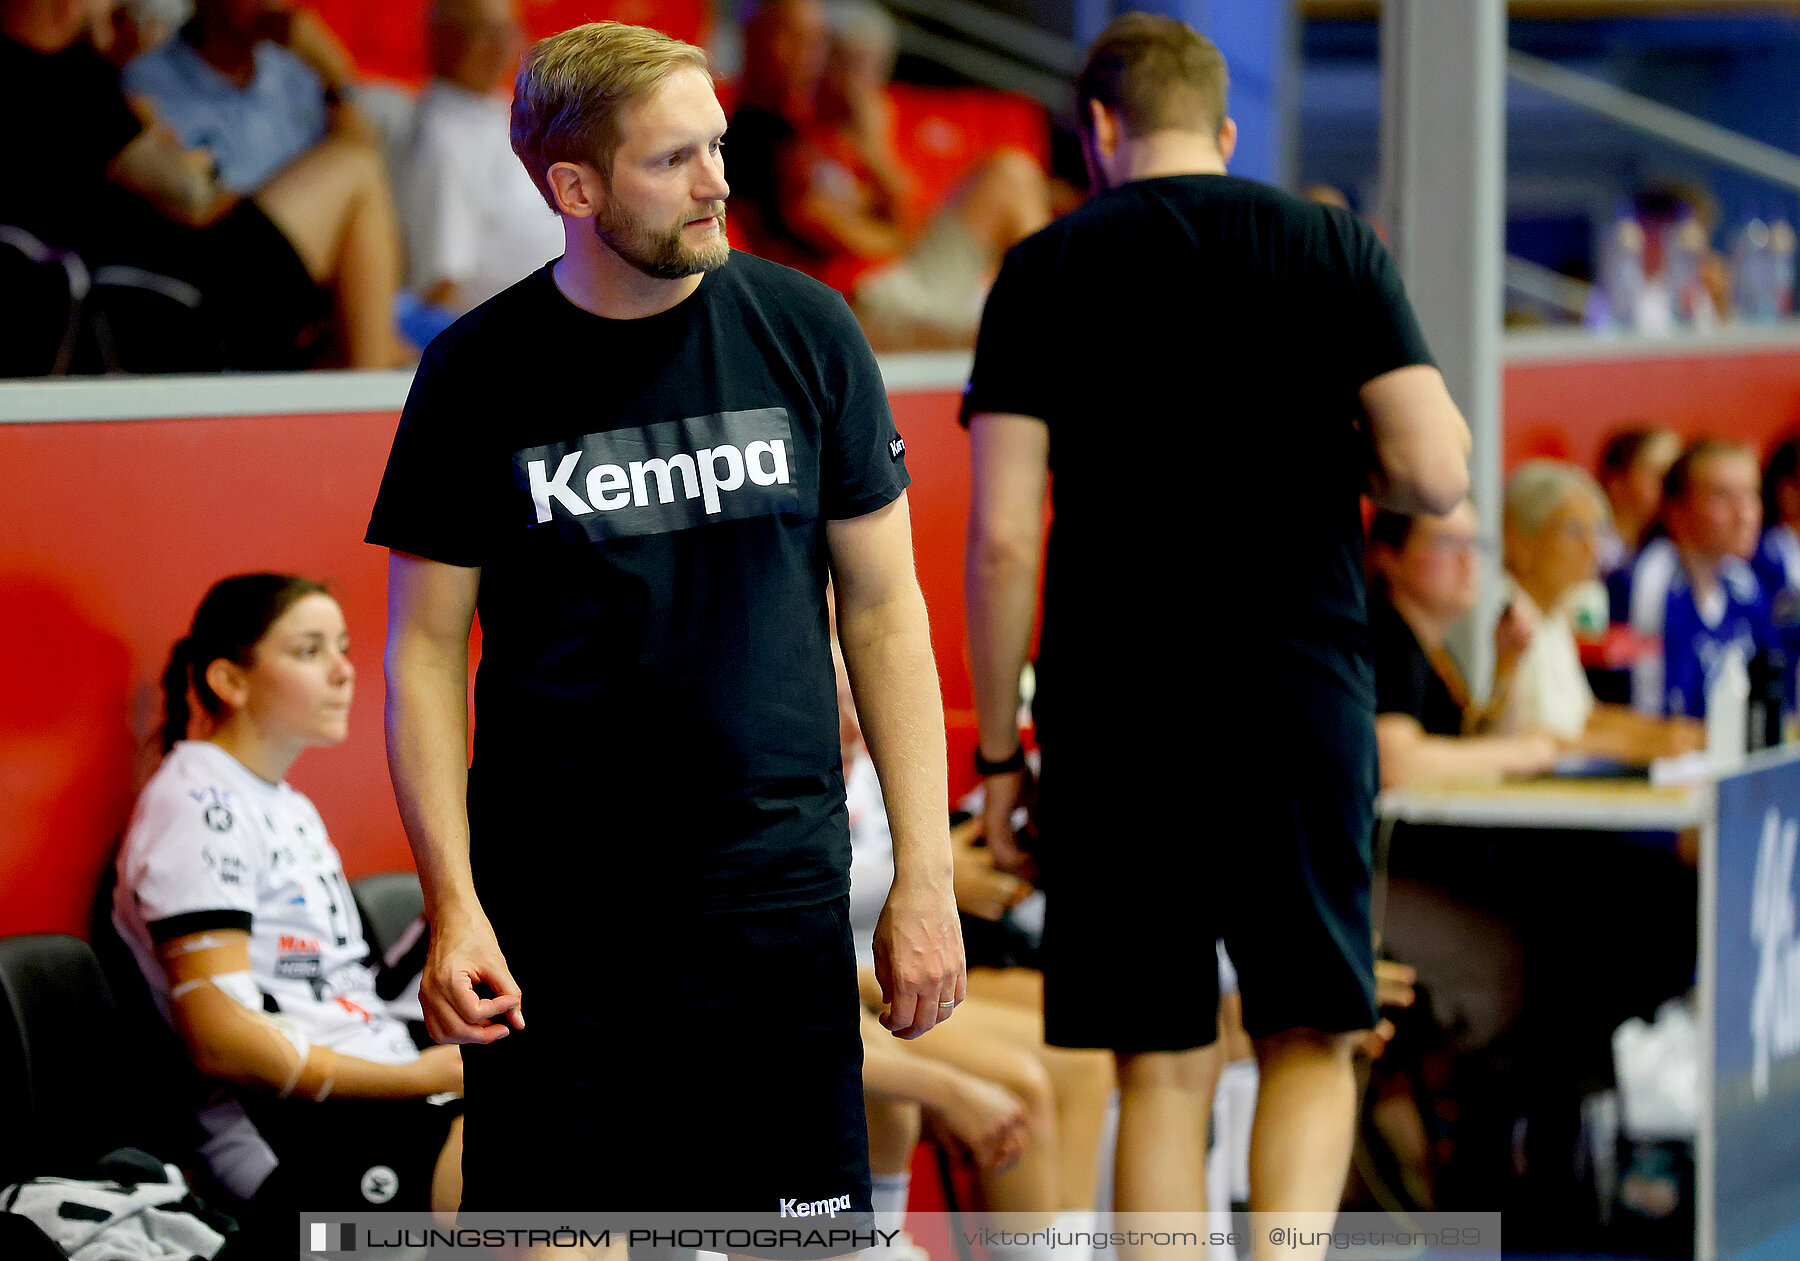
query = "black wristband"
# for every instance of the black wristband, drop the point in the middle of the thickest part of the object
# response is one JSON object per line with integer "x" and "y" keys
{"x": 1005, "y": 766}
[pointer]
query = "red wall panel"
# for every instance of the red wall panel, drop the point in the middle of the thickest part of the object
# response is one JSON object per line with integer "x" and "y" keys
{"x": 1567, "y": 410}
{"x": 111, "y": 533}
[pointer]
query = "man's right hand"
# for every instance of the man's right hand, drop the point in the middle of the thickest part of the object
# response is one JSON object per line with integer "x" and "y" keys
{"x": 1001, "y": 795}
{"x": 465, "y": 953}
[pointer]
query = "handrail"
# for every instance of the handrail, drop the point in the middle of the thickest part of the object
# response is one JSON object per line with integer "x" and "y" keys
{"x": 1656, "y": 119}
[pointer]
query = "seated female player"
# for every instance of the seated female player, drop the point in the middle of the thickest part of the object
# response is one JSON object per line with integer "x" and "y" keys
{"x": 233, "y": 900}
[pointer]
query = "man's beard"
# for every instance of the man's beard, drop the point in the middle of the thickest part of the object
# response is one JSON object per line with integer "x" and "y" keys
{"x": 662, "y": 255}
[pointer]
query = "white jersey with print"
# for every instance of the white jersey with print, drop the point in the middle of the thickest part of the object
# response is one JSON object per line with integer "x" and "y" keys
{"x": 213, "y": 846}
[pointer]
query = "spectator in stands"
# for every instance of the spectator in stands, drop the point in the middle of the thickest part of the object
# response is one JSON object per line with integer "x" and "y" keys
{"x": 88, "y": 174}
{"x": 1632, "y": 466}
{"x": 1553, "y": 521}
{"x": 473, "y": 222}
{"x": 914, "y": 278}
{"x": 1777, "y": 562}
{"x": 256, "y": 83}
{"x": 233, "y": 899}
{"x": 784, "y": 56}
{"x": 1694, "y": 589}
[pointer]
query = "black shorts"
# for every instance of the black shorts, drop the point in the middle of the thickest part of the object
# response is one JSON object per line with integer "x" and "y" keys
{"x": 1145, "y": 868}
{"x": 679, "y": 1062}
{"x": 349, "y": 1154}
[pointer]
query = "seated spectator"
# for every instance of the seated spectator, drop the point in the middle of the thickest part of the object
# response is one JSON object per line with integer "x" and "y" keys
{"x": 233, "y": 900}
{"x": 1777, "y": 562}
{"x": 1632, "y": 467}
{"x": 90, "y": 175}
{"x": 1554, "y": 516}
{"x": 1425, "y": 575}
{"x": 1694, "y": 589}
{"x": 784, "y": 56}
{"x": 474, "y": 223}
{"x": 255, "y": 83}
{"x": 913, "y": 278}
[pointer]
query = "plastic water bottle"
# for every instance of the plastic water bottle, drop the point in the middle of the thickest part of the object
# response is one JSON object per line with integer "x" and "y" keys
{"x": 1684, "y": 241}
{"x": 1751, "y": 272}
{"x": 1728, "y": 706}
{"x": 1781, "y": 266}
{"x": 1621, "y": 274}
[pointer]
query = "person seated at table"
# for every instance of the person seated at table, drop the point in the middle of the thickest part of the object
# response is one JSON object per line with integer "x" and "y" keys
{"x": 1694, "y": 589}
{"x": 1425, "y": 575}
{"x": 1554, "y": 516}
{"x": 1632, "y": 466}
{"x": 915, "y": 278}
{"x": 1777, "y": 561}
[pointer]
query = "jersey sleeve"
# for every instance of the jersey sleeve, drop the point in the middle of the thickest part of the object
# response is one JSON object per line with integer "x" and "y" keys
{"x": 1012, "y": 372}
{"x": 863, "y": 462}
{"x": 1383, "y": 331}
{"x": 429, "y": 501}
{"x": 193, "y": 862}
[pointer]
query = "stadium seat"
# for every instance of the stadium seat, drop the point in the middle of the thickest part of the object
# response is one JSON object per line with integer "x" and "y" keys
{"x": 71, "y": 1087}
{"x": 388, "y": 903}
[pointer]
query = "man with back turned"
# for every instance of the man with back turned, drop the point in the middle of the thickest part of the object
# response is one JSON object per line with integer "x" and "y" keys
{"x": 1215, "y": 371}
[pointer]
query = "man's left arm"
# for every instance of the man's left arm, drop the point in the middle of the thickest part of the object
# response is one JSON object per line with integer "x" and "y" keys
{"x": 886, "y": 640}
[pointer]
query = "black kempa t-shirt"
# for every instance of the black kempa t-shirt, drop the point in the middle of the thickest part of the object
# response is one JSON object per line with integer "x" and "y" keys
{"x": 1195, "y": 344}
{"x": 647, "y": 502}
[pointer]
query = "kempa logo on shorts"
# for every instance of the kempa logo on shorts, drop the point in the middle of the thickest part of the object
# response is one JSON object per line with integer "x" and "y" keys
{"x": 664, "y": 477}
{"x": 815, "y": 1208}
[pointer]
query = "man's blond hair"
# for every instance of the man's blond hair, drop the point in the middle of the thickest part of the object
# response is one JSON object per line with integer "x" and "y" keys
{"x": 1156, "y": 74}
{"x": 572, "y": 87}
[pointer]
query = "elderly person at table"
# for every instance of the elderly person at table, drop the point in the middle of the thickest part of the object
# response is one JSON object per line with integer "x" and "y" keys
{"x": 1555, "y": 516}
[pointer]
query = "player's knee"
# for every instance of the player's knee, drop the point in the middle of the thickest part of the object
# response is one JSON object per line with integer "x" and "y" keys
{"x": 1014, "y": 172}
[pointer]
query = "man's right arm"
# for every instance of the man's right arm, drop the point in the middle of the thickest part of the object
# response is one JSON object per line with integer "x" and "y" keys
{"x": 431, "y": 609}
{"x": 1420, "y": 441}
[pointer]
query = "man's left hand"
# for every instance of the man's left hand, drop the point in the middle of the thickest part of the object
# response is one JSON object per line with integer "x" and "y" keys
{"x": 919, "y": 958}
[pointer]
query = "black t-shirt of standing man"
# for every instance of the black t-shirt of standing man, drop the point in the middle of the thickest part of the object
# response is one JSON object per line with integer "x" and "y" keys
{"x": 1195, "y": 344}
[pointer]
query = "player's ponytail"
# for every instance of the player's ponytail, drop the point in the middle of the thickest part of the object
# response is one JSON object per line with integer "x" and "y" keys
{"x": 175, "y": 684}
{"x": 230, "y": 621}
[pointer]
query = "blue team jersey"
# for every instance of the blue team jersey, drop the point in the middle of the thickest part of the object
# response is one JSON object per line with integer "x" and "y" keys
{"x": 1660, "y": 602}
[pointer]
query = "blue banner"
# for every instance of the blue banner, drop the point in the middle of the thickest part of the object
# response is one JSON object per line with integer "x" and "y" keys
{"x": 1757, "y": 1010}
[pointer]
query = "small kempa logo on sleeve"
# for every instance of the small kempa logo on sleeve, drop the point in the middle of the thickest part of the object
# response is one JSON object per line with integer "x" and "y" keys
{"x": 331, "y": 1237}
{"x": 896, "y": 448}
{"x": 660, "y": 478}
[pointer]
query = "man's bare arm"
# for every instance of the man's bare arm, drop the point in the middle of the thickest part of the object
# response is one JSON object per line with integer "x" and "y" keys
{"x": 1420, "y": 440}
{"x": 431, "y": 609}
{"x": 886, "y": 640}
{"x": 1009, "y": 470}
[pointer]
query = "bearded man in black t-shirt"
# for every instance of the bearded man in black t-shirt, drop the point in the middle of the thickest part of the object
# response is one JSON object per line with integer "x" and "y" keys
{"x": 1215, "y": 371}
{"x": 640, "y": 466}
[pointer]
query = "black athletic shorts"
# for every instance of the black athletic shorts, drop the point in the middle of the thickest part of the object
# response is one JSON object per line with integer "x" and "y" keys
{"x": 673, "y": 1062}
{"x": 348, "y": 1154}
{"x": 1265, "y": 845}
